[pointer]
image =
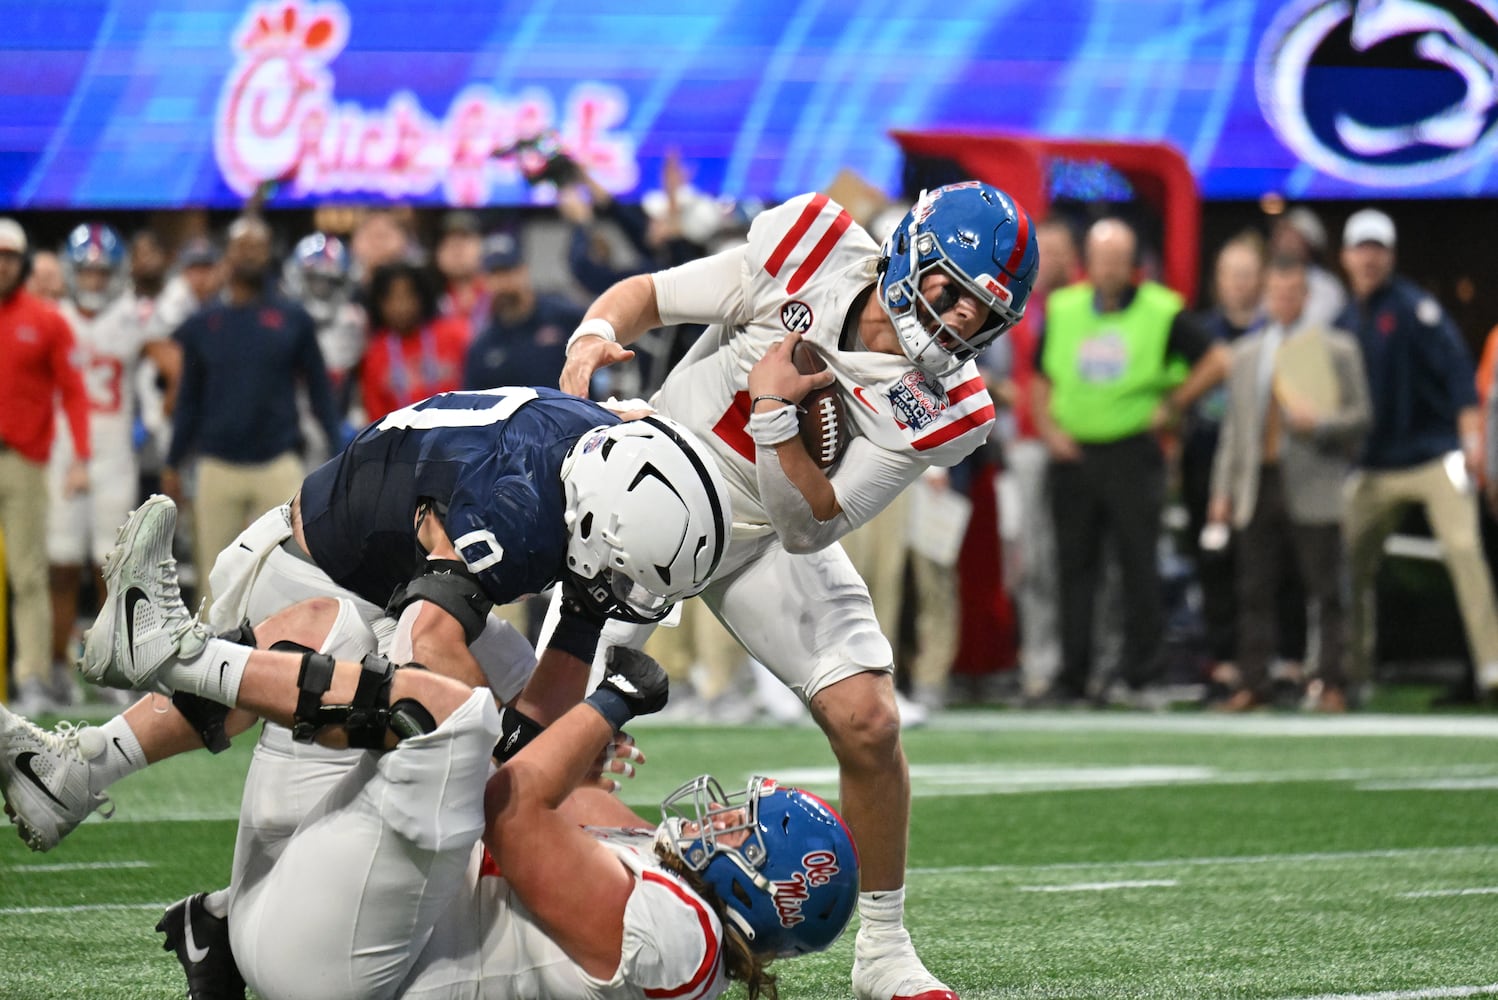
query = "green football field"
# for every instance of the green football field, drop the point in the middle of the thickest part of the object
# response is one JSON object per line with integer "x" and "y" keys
{"x": 1053, "y": 855}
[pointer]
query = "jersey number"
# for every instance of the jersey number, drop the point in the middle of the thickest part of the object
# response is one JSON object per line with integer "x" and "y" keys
{"x": 505, "y": 402}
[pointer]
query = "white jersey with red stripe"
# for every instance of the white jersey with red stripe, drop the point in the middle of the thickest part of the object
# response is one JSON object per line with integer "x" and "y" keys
{"x": 805, "y": 265}
{"x": 108, "y": 347}
{"x": 489, "y": 945}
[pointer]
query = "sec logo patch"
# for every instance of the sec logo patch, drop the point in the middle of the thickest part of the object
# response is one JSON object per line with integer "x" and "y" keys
{"x": 795, "y": 316}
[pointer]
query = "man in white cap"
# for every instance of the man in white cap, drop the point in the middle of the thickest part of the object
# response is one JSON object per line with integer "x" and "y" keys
{"x": 1424, "y": 445}
{"x": 37, "y": 345}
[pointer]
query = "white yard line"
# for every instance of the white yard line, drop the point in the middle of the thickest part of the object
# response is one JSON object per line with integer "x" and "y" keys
{"x": 1437, "y": 893}
{"x": 23, "y": 911}
{"x": 1219, "y": 725}
{"x": 74, "y": 866}
{"x": 1433, "y": 993}
{"x": 1314, "y": 857}
{"x": 1150, "y": 883}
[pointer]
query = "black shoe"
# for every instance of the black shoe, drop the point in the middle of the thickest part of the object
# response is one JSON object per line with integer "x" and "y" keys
{"x": 201, "y": 942}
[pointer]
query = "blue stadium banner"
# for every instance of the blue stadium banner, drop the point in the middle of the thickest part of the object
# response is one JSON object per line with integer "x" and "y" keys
{"x": 160, "y": 103}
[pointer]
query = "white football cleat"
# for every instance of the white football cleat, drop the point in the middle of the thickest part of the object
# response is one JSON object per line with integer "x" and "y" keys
{"x": 885, "y": 967}
{"x": 143, "y": 623}
{"x": 44, "y": 778}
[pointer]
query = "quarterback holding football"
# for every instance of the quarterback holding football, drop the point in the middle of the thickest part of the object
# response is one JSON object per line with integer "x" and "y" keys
{"x": 895, "y": 329}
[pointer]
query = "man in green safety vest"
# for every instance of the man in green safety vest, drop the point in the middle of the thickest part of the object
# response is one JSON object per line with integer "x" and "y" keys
{"x": 1118, "y": 362}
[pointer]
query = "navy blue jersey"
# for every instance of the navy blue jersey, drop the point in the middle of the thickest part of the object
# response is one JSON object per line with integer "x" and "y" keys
{"x": 490, "y": 460}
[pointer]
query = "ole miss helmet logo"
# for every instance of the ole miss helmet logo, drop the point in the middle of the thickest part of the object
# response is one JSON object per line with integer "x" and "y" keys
{"x": 795, "y": 316}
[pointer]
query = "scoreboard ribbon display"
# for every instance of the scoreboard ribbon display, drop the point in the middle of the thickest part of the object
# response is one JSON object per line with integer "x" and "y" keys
{"x": 163, "y": 103}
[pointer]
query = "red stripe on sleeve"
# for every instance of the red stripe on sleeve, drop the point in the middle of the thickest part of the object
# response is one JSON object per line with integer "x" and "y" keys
{"x": 1018, "y": 253}
{"x": 733, "y": 427}
{"x": 964, "y": 390}
{"x": 801, "y": 228}
{"x": 955, "y": 429}
{"x": 819, "y": 252}
{"x": 704, "y": 973}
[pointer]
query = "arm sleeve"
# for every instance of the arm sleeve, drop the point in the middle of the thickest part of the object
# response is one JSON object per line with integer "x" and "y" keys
{"x": 1188, "y": 338}
{"x": 710, "y": 290}
{"x": 597, "y": 277}
{"x": 189, "y": 397}
{"x": 319, "y": 388}
{"x": 868, "y": 478}
{"x": 1455, "y": 361}
{"x": 70, "y": 383}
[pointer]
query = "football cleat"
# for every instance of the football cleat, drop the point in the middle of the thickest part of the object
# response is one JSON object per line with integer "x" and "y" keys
{"x": 44, "y": 778}
{"x": 201, "y": 942}
{"x": 885, "y": 967}
{"x": 143, "y": 623}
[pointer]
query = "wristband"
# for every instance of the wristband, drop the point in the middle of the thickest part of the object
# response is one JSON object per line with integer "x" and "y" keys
{"x": 612, "y": 706}
{"x": 775, "y": 427}
{"x": 595, "y": 327}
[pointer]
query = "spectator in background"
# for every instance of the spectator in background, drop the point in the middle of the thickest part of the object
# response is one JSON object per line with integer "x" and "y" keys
{"x": 1425, "y": 445}
{"x": 1104, "y": 388}
{"x": 110, "y": 342}
{"x": 414, "y": 351}
{"x": 460, "y": 252}
{"x": 1237, "y": 294}
{"x": 318, "y": 276}
{"x": 1278, "y": 478}
{"x": 46, "y": 281}
{"x": 524, "y": 341}
{"x": 37, "y": 346}
{"x": 379, "y": 238}
{"x": 1299, "y": 234}
{"x": 243, "y": 357}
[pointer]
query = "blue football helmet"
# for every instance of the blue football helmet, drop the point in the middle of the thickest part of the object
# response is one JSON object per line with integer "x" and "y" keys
{"x": 94, "y": 246}
{"x": 790, "y": 887}
{"x": 982, "y": 239}
{"x": 319, "y": 275}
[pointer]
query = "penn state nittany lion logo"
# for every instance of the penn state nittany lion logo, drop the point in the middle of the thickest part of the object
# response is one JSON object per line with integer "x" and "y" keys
{"x": 795, "y": 316}
{"x": 1387, "y": 93}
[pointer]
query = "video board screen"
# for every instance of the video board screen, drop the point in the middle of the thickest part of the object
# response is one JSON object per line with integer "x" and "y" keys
{"x": 177, "y": 102}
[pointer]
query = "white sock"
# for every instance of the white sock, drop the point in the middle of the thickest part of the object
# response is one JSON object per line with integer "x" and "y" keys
{"x": 214, "y": 673}
{"x": 882, "y": 912}
{"x": 121, "y": 755}
{"x": 217, "y": 903}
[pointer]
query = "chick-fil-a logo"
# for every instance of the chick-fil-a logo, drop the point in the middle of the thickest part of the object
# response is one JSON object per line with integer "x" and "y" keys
{"x": 278, "y": 120}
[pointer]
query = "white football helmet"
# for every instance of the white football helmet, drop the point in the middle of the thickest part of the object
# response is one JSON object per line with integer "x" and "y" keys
{"x": 648, "y": 516}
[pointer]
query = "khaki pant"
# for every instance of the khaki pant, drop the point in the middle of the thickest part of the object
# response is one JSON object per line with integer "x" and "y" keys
{"x": 230, "y": 496}
{"x": 23, "y": 519}
{"x": 1375, "y": 499}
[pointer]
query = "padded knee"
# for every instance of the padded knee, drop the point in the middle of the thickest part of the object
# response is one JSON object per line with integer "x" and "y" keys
{"x": 368, "y": 716}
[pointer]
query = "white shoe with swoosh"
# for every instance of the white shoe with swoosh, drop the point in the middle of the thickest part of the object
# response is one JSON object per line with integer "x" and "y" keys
{"x": 142, "y": 623}
{"x": 44, "y": 778}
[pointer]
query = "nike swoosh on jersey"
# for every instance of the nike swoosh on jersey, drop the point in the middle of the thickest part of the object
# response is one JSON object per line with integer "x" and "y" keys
{"x": 858, "y": 391}
{"x": 133, "y": 597}
{"x": 194, "y": 953}
{"x": 23, "y": 764}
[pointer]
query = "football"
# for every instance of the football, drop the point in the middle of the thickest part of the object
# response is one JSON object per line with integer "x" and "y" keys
{"x": 824, "y": 418}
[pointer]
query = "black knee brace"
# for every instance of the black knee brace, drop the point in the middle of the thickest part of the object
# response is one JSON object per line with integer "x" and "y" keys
{"x": 207, "y": 717}
{"x": 368, "y": 717}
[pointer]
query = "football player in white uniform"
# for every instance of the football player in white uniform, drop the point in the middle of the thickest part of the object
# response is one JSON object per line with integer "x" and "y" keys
{"x": 420, "y": 875}
{"x": 898, "y": 327}
{"x": 110, "y": 342}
